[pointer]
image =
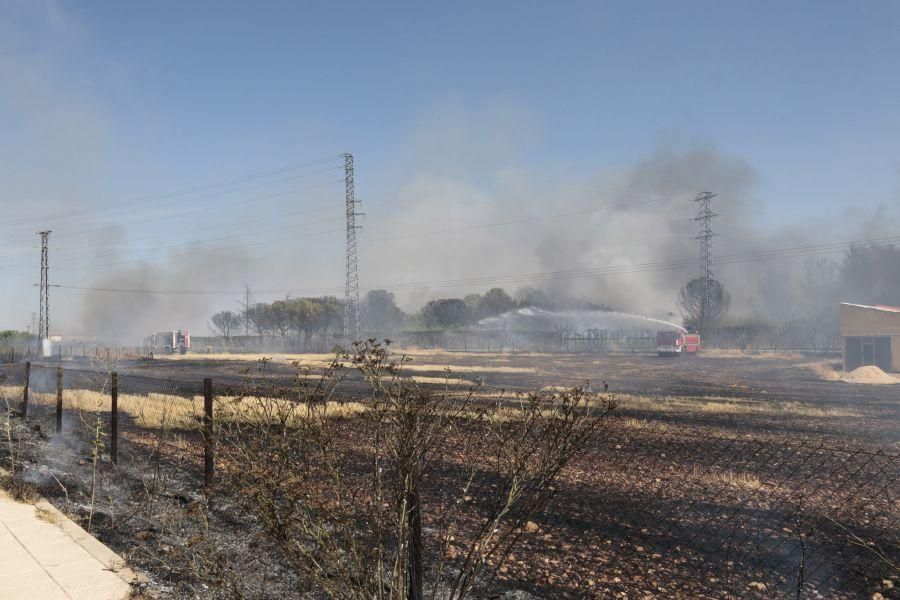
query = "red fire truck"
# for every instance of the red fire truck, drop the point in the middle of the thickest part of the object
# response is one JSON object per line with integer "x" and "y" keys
{"x": 168, "y": 342}
{"x": 676, "y": 343}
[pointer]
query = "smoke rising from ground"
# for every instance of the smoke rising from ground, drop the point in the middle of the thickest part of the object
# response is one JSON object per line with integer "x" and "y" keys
{"x": 646, "y": 216}
{"x": 475, "y": 168}
{"x": 128, "y": 317}
{"x": 649, "y": 220}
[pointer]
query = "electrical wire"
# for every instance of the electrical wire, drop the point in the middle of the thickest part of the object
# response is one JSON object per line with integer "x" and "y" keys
{"x": 750, "y": 257}
{"x": 194, "y": 252}
{"x": 525, "y": 220}
{"x": 171, "y": 195}
{"x": 428, "y": 233}
{"x": 193, "y": 243}
{"x": 202, "y": 209}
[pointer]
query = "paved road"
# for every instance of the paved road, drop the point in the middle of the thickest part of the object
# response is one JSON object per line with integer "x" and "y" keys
{"x": 45, "y": 555}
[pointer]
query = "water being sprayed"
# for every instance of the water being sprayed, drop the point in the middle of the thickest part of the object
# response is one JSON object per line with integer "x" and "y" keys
{"x": 536, "y": 319}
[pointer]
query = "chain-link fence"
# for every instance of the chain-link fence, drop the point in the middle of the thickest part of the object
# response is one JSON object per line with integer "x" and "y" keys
{"x": 652, "y": 508}
{"x": 750, "y": 517}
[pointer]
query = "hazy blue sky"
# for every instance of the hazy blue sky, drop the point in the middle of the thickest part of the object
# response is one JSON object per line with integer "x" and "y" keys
{"x": 103, "y": 101}
{"x": 807, "y": 92}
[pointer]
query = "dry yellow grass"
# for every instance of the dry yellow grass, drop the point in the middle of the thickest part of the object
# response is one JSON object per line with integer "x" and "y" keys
{"x": 717, "y": 353}
{"x": 46, "y": 515}
{"x": 735, "y": 479}
{"x": 415, "y": 367}
{"x": 323, "y": 360}
{"x": 744, "y": 481}
{"x": 163, "y": 411}
{"x": 449, "y": 379}
{"x": 558, "y": 388}
{"x": 302, "y": 359}
{"x": 731, "y": 406}
{"x": 152, "y": 410}
{"x": 482, "y": 356}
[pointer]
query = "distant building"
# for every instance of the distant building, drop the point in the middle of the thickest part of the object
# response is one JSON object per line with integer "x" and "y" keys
{"x": 871, "y": 336}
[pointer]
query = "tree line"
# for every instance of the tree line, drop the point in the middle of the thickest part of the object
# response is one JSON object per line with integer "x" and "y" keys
{"x": 301, "y": 317}
{"x": 310, "y": 317}
{"x": 802, "y": 312}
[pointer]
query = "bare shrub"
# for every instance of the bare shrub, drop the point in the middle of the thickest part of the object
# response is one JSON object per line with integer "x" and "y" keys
{"x": 419, "y": 492}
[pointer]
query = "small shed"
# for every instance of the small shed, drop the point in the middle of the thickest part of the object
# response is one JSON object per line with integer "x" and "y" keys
{"x": 871, "y": 336}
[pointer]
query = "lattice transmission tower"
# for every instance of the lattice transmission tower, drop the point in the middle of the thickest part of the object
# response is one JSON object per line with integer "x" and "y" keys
{"x": 43, "y": 331}
{"x": 705, "y": 217}
{"x": 351, "y": 290}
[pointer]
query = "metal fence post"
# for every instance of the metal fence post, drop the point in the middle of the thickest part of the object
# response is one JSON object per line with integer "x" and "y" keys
{"x": 208, "y": 464}
{"x": 25, "y": 390}
{"x": 59, "y": 395}
{"x": 114, "y": 418}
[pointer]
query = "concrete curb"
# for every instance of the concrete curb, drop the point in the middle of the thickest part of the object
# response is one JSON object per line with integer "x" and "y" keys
{"x": 103, "y": 554}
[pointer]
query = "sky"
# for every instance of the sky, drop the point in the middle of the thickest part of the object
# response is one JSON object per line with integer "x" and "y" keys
{"x": 458, "y": 114}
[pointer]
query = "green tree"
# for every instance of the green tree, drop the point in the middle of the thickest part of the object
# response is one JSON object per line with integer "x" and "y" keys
{"x": 446, "y": 313}
{"x": 304, "y": 315}
{"x": 495, "y": 302}
{"x": 279, "y": 317}
{"x": 258, "y": 315}
{"x": 380, "y": 312}
{"x": 331, "y": 315}
{"x": 531, "y": 296}
{"x": 225, "y": 324}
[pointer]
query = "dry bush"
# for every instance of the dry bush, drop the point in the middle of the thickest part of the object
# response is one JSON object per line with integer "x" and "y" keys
{"x": 417, "y": 492}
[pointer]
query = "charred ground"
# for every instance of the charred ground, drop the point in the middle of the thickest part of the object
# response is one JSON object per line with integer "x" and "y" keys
{"x": 716, "y": 476}
{"x": 763, "y": 394}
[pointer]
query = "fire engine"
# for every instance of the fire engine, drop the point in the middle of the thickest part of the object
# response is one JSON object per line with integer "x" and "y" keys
{"x": 169, "y": 342}
{"x": 676, "y": 343}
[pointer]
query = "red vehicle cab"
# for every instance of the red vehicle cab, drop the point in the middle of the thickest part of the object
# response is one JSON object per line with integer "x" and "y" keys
{"x": 690, "y": 342}
{"x": 676, "y": 343}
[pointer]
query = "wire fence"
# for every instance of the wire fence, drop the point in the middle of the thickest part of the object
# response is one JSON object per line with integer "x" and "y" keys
{"x": 744, "y": 514}
{"x": 658, "y": 509}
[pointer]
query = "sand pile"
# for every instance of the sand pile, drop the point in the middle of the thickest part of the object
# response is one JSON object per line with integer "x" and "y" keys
{"x": 869, "y": 374}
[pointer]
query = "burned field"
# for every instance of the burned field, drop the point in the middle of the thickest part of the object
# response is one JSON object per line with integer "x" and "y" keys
{"x": 720, "y": 477}
{"x": 765, "y": 395}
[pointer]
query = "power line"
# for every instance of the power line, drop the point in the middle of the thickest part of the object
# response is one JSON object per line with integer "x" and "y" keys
{"x": 240, "y": 224}
{"x": 280, "y": 215}
{"x": 429, "y": 233}
{"x": 170, "y": 195}
{"x": 219, "y": 239}
{"x": 522, "y": 220}
{"x": 197, "y": 209}
{"x": 204, "y": 251}
{"x": 307, "y": 211}
{"x": 741, "y": 258}
{"x": 419, "y": 234}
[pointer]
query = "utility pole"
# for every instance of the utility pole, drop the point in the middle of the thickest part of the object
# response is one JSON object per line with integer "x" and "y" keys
{"x": 246, "y": 310}
{"x": 351, "y": 289}
{"x": 44, "y": 307}
{"x": 704, "y": 217}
